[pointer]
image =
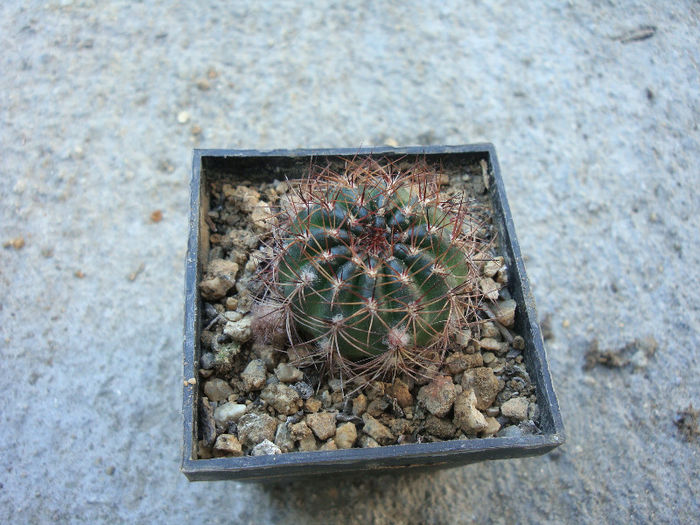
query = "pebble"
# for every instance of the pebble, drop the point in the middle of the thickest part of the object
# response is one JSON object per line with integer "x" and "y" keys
{"x": 491, "y": 267}
{"x": 228, "y": 413}
{"x": 511, "y": 431}
{"x": 305, "y": 390}
{"x": 377, "y": 431}
{"x": 398, "y": 426}
{"x": 288, "y": 373}
{"x": 283, "y": 438}
{"x": 265, "y": 448}
{"x": 308, "y": 444}
{"x": 326, "y": 399}
{"x": 313, "y": 405}
{"x": 207, "y": 361}
{"x": 299, "y": 430}
{"x": 269, "y": 354}
{"x": 505, "y": 312}
{"x": 484, "y": 383}
{"x": 345, "y": 435}
{"x": 367, "y": 442}
{"x": 438, "y": 396}
{"x": 440, "y": 427}
{"x": 488, "y": 329}
{"x": 374, "y": 390}
{"x": 463, "y": 337}
{"x": 215, "y": 288}
{"x": 359, "y": 405}
{"x": 335, "y": 384}
{"x": 283, "y": 398}
{"x": 490, "y": 344}
{"x": 254, "y": 375}
{"x": 467, "y": 416}
{"x": 222, "y": 268}
{"x": 492, "y": 427}
{"x": 488, "y": 357}
{"x": 377, "y": 407}
{"x": 459, "y": 362}
{"x": 518, "y": 343}
{"x": 246, "y": 198}
{"x": 329, "y": 445}
{"x": 262, "y": 217}
{"x": 300, "y": 356}
{"x": 399, "y": 391}
{"x": 303, "y": 434}
{"x": 255, "y": 428}
{"x": 183, "y": 117}
{"x": 502, "y": 276}
{"x": 322, "y": 424}
{"x": 515, "y": 408}
{"x": 252, "y": 265}
{"x": 489, "y": 288}
{"x": 238, "y": 331}
{"x": 493, "y": 411}
{"x": 217, "y": 389}
{"x": 233, "y": 316}
{"x": 228, "y": 444}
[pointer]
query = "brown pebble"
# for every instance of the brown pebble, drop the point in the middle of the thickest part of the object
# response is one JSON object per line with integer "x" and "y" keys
{"x": 17, "y": 243}
{"x": 312, "y": 405}
{"x": 156, "y": 216}
{"x": 228, "y": 445}
{"x": 459, "y": 362}
{"x": 359, "y": 405}
{"x": 484, "y": 383}
{"x": 79, "y": 274}
{"x": 345, "y": 435}
{"x": 322, "y": 424}
{"x": 399, "y": 390}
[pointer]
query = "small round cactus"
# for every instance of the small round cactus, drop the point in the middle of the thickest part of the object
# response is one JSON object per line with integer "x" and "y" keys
{"x": 374, "y": 268}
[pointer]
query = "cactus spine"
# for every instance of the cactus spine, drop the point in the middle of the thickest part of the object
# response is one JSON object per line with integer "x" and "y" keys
{"x": 375, "y": 268}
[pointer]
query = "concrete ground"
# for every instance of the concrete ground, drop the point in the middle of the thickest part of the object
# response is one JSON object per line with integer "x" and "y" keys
{"x": 594, "y": 109}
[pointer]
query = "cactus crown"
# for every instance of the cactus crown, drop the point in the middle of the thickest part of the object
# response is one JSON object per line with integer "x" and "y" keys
{"x": 375, "y": 268}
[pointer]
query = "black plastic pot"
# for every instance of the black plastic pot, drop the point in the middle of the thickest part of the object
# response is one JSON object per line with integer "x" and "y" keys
{"x": 238, "y": 165}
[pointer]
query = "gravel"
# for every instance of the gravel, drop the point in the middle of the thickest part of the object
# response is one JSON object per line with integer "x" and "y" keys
{"x": 484, "y": 383}
{"x": 515, "y": 408}
{"x": 228, "y": 413}
{"x": 438, "y": 395}
{"x": 254, "y": 375}
{"x": 255, "y": 428}
{"x": 598, "y": 141}
{"x": 345, "y": 435}
{"x": 217, "y": 389}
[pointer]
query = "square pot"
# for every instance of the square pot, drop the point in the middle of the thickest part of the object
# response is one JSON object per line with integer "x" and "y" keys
{"x": 238, "y": 165}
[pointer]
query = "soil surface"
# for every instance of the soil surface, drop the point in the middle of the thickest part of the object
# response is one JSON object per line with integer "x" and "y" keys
{"x": 594, "y": 111}
{"x": 259, "y": 395}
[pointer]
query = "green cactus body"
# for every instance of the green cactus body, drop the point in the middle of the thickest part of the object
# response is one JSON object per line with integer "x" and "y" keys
{"x": 373, "y": 265}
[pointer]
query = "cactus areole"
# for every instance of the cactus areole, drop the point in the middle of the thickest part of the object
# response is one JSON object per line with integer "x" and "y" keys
{"x": 373, "y": 263}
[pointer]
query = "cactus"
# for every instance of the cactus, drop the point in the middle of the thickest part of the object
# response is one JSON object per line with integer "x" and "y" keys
{"x": 375, "y": 269}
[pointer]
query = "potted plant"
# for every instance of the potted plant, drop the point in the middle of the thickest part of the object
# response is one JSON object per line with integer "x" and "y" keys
{"x": 362, "y": 309}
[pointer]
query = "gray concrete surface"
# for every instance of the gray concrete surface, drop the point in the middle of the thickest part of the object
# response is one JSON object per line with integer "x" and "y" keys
{"x": 599, "y": 144}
